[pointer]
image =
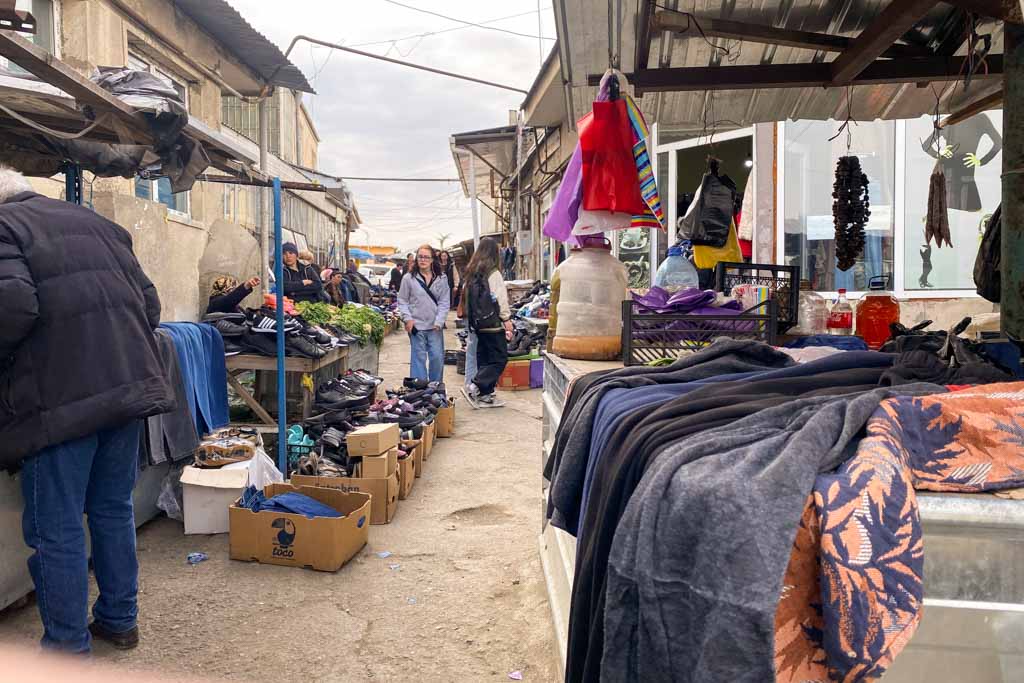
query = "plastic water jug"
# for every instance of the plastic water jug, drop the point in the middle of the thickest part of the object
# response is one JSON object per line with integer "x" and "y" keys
{"x": 593, "y": 287}
{"x": 875, "y": 311}
{"x": 813, "y": 313}
{"x": 676, "y": 272}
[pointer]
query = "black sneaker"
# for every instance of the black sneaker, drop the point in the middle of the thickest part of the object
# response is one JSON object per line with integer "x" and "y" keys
{"x": 267, "y": 324}
{"x": 127, "y": 640}
{"x": 302, "y": 346}
{"x": 413, "y": 383}
{"x": 228, "y": 328}
{"x": 260, "y": 344}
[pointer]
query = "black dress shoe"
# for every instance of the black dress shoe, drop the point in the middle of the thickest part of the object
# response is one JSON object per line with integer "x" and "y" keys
{"x": 127, "y": 640}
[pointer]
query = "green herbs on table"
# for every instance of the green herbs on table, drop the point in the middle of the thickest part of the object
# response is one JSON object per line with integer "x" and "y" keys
{"x": 359, "y": 321}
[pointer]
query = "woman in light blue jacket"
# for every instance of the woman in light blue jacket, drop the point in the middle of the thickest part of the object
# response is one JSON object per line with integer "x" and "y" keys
{"x": 424, "y": 300}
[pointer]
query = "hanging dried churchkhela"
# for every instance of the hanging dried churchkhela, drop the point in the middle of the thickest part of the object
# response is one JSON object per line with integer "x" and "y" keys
{"x": 850, "y": 210}
{"x": 936, "y": 223}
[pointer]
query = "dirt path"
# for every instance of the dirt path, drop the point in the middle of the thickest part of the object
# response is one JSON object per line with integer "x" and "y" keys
{"x": 461, "y": 598}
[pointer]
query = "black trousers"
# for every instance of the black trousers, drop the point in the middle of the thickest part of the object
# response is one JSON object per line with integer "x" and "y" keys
{"x": 491, "y": 358}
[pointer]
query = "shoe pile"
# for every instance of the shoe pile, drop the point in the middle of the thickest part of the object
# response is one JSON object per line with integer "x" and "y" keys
{"x": 347, "y": 403}
{"x": 255, "y": 331}
{"x": 524, "y": 338}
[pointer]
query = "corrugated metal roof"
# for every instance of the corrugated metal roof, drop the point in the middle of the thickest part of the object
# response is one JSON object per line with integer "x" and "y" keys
{"x": 583, "y": 34}
{"x": 231, "y": 29}
{"x": 495, "y": 150}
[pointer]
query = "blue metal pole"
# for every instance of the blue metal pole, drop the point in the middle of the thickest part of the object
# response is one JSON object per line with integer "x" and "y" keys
{"x": 282, "y": 403}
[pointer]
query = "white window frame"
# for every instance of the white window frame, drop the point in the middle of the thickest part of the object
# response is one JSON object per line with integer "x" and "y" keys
{"x": 899, "y": 223}
{"x": 55, "y": 29}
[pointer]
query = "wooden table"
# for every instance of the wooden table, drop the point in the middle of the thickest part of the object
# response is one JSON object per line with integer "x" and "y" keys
{"x": 244, "y": 362}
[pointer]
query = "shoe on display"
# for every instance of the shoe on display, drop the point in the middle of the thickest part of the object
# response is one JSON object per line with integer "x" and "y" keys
{"x": 260, "y": 344}
{"x": 228, "y": 328}
{"x": 211, "y": 318}
{"x": 267, "y": 324}
{"x": 304, "y": 347}
{"x": 414, "y": 383}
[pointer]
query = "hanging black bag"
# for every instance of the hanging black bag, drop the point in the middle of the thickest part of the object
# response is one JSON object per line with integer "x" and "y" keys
{"x": 707, "y": 221}
{"x": 987, "y": 264}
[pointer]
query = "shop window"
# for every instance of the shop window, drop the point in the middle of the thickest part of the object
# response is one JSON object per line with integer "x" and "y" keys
{"x": 970, "y": 153}
{"x": 809, "y": 174}
{"x": 44, "y": 36}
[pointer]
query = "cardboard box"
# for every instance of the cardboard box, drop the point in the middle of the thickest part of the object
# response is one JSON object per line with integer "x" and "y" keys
{"x": 406, "y": 476}
{"x": 373, "y": 439}
{"x": 383, "y": 492}
{"x": 379, "y": 466}
{"x": 516, "y": 376}
{"x": 415, "y": 446}
{"x": 428, "y": 440}
{"x": 208, "y": 494}
{"x": 445, "y": 422}
{"x": 323, "y": 543}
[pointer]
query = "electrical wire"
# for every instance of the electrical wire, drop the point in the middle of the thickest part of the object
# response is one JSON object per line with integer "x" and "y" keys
{"x": 454, "y": 28}
{"x": 467, "y": 23}
{"x": 691, "y": 20}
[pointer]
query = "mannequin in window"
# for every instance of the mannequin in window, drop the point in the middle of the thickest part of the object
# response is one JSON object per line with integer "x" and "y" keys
{"x": 961, "y": 143}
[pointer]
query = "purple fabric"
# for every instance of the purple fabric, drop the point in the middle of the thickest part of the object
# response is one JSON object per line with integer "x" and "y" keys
{"x": 691, "y": 301}
{"x": 566, "y": 207}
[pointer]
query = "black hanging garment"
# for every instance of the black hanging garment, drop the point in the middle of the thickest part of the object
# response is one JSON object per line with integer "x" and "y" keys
{"x": 710, "y": 213}
{"x": 987, "y": 264}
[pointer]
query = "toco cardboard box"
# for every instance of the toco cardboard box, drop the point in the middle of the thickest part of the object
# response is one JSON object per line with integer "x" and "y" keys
{"x": 428, "y": 440}
{"x": 373, "y": 439}
{"x": 207, "y": 494}
{"x": 445, "y": 422}
{"x": 379, "y": 466}
{"x": 516, "y": 376}
{"x": 291, "y": 540}
{"x": 415, "y": 446}
{"x": 406, "y": 477}
{"x": 383, "y": 492}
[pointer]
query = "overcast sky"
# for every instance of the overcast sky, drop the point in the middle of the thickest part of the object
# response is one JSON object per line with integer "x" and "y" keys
{"x": 380, "y": 119}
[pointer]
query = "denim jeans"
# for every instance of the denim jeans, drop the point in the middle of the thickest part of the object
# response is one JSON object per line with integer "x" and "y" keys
{"x": 427, "y": 348}
{"x": 470, "y": 358}
{"x": 93, "y": 475}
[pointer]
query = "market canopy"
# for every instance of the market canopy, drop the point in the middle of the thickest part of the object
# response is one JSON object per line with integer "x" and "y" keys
{"x": 493, "y": 158}
{"x": 729, "y": 65}
{"x": 360, "y": 254}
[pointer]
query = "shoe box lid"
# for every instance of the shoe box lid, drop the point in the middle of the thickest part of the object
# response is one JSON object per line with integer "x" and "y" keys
{"x": 374, "y": 439}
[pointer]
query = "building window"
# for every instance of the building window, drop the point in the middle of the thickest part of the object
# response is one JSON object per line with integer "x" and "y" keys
{"x": 970, "y": 154}
{"x": 809, "y": 233}
{"x": 244, "y": 118}
{"x": 159, "y": 190}
{"x": 43, "y": 12}
{"x": 141, "y": 64}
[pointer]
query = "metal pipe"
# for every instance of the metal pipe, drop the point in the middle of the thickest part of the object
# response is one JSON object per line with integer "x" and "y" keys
{"x": 473, "y": 200}
{"x": 264, "y": 115}
{"x": 335, "y": 46}
{"x": 282, "y": 401}
{"x": 1012, "y": 296}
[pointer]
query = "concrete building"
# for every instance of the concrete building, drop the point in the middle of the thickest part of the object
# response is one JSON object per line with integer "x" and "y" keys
{"x": 220, "y": 66}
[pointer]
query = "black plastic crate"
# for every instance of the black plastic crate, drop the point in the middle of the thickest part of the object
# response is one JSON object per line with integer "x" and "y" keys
{"x": 648, "y": 335}
{"x": 784, "y": 282}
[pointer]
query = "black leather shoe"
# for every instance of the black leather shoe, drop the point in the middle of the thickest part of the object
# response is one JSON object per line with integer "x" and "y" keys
{"x": 128, "y": 640}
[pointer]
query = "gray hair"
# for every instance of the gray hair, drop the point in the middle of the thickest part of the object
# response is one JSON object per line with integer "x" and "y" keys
{"x": 12, "y": 183}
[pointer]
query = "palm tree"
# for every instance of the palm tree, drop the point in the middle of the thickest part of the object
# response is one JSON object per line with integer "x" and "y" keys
{"x": 442, "y": 238}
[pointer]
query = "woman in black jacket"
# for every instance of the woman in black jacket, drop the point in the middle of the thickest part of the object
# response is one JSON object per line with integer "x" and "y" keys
{"x": 227, "y": 294}
{"x": 301, "y": 281}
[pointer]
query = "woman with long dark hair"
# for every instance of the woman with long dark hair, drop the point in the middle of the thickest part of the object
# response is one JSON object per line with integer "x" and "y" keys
{"x": 452, "y": 273}
{"x": 485, "y": 301}
{"x": 424, "y": 302}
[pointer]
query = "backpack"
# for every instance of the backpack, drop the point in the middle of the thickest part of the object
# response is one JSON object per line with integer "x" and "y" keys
{"x": 988, "y": 264}
{"x": 482, "y": 312}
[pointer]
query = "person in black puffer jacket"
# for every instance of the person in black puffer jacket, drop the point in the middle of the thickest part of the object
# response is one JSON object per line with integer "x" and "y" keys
{"x": 79, "y": 369}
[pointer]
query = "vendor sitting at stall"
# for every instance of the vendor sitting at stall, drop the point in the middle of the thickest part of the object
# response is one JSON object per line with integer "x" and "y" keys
{"x": 334, "y": 288}
{"x": 226, "y": 294}
{"x": 300, "y": 282}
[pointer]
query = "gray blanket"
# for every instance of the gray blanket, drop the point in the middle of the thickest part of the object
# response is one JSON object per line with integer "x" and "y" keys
{"x": 698, "y": 559}
{"x": 567, "y": 466}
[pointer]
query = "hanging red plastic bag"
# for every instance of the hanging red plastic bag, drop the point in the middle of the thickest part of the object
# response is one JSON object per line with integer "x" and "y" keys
{"x": 610, "y": 180}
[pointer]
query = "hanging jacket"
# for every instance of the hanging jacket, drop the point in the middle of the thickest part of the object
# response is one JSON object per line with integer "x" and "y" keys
{"x": 77, "y": 349}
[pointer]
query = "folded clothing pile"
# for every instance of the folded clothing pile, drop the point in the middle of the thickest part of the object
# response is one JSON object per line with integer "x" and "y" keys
{"x": 291, "y": 502}
{"x": 255, "y": 331}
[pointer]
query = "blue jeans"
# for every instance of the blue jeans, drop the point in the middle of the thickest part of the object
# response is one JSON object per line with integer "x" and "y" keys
{"x": 427, "y": 348}
{"x": 470, "y": 358}
{"x": 93, "y": 475}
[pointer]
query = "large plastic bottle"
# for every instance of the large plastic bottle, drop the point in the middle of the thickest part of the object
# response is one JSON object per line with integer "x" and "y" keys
{"x": 813, "y": 312}
{"x": 676, "y": 272}
{"x": 589, "y": 311}
{"x": 875, "y": 311}
{"x": 556, "y": 289}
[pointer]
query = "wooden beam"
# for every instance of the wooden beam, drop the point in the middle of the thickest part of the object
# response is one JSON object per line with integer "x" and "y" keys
{"x": 51, "y": 70}
{"x": 884, "y": 30}
{"x": 803, "y": 75}
{"x": 768, "y": 35}
{"x": 976, "y": 107}
{"x": 1006, "y": 10}
{"x": 643, "y": 35}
